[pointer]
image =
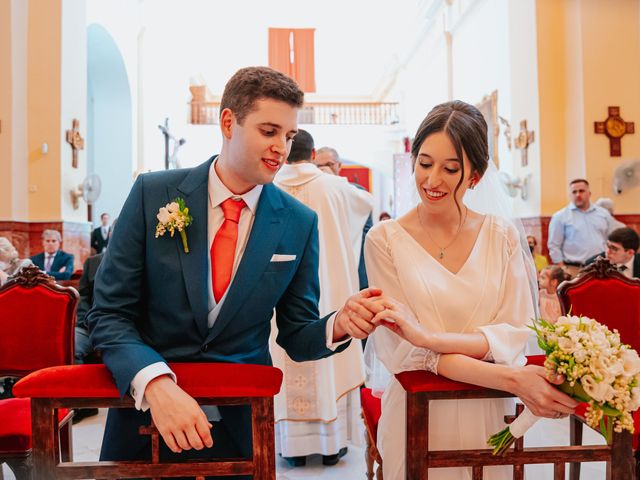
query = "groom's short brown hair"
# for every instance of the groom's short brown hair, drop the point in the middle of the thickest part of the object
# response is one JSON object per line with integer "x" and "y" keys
{"x": 254, "y": 83}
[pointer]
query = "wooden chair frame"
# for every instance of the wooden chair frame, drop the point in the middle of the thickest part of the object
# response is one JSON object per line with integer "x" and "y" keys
{"x": 48, "y": 465}
{"x": 601, "y": 268}
{"x": 419, "y": 459}
{"x": 371, "y": 454}
{"x": 30, "y": 277}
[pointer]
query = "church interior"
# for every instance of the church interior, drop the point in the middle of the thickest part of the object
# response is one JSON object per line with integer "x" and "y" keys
{"x": 95, "y": 95}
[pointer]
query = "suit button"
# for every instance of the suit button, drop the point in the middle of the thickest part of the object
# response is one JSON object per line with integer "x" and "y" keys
{"x": 204, "y": 348}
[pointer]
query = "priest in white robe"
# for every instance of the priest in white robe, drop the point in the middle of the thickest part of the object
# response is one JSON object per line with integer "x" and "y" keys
{"x": 317, "y": 409}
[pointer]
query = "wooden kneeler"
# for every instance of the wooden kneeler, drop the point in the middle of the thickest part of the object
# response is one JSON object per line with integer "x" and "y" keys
{"x": 88, "y": 386}
{"x": 423, "y": 387}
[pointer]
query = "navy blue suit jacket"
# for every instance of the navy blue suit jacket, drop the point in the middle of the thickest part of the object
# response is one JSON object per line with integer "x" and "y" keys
{"x": 151, "y": 299}
{"x": 62, "y": 259}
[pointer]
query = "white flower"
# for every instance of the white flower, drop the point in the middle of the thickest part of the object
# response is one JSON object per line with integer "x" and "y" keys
{"x": 580, "y": 354}
{"x": 163, "y": 215}
{"x": 600, "y": 392}
{"x": 566, "y": 344}
{"x": 634, "y": 404}
{"x": 630, "y": 362}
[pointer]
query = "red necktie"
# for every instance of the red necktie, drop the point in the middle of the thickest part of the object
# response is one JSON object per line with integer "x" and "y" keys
{"x": 223, "y": 248}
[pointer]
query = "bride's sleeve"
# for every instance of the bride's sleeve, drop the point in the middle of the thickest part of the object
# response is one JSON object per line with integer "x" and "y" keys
{"x": 395, "y": 353}
{"x": 508, "y": 333}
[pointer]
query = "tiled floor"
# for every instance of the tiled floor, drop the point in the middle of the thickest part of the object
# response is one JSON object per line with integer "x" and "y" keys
{"x": 87, "y": 436}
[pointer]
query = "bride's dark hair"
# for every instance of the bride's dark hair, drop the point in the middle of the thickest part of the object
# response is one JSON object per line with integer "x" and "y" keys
{"x": 467, "y": 129}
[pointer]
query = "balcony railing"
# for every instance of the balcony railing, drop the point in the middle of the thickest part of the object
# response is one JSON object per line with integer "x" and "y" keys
{"x": 338, "y": 113}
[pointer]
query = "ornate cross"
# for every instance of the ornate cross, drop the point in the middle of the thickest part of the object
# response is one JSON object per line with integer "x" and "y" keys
{"x": 615, "y": 128}
{"x": 522, "y": 141}
{"x": 75, "y": 140}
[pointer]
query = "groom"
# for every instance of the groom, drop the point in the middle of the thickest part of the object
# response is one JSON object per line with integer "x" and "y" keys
{"x": 252, "y": 247}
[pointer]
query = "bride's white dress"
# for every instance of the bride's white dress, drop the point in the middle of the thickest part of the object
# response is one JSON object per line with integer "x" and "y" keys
{"x": 490, "y": 294}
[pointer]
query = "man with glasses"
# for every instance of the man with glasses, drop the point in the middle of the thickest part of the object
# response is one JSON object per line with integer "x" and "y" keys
{"x": 622, "y": 248}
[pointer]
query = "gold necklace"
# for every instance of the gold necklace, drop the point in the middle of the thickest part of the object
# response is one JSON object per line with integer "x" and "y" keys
{"x": 442, "y": 249}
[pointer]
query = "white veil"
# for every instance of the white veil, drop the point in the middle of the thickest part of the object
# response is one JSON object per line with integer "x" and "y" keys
{"x": 490, "y": 197}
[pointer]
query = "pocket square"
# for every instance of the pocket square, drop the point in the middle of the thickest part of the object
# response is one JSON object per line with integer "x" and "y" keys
{"x": 282, "y": 258}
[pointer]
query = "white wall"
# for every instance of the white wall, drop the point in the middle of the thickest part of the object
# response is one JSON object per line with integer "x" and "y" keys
{"x": 73, "y": 102}
{"x": 493, "y": 47}
{"x": 110, "y": 122}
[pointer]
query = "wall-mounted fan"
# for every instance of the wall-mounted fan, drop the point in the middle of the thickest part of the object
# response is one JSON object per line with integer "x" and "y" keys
{"x": 626, "y": 176}
{"x": 88, "y": 190}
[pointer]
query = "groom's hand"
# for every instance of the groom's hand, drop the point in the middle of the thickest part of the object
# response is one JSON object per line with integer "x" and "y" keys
{"x": 177, "y": 416}
{"x": 354, "y": 319}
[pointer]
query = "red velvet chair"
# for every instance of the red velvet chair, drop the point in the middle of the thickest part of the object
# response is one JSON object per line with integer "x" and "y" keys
{"x": 371, "y": 412}
{"x": 38, "y": 318}
{"x": 209, "y": 383}
{"x": 424, "y": 387}
{"x": 601, "y": 292}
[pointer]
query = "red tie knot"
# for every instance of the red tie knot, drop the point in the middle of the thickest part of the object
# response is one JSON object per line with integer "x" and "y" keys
{"x": 231, "y": 209}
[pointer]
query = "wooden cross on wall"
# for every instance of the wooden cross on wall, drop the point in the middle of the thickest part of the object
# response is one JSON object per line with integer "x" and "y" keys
{"x": 615, "y": 128}
{"x": 523, "y": 140}
{"x": 75, "y": 140}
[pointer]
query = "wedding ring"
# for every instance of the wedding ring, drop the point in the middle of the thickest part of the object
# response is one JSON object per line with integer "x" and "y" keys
{"x": 558, "y": 415}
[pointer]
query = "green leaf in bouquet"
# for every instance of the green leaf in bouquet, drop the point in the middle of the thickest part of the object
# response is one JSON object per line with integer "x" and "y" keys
{"x": 579, "y": 393}
{"x": 610, "y": 411}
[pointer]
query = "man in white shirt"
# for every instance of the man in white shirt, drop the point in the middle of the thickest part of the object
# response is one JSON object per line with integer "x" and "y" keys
{"x": 251, "y": 249}
{"x": 578, "y": 231}
{"x": 318, "y": 404}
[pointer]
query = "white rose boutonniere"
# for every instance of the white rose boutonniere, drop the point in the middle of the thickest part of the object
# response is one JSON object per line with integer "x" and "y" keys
{"x": 174, "y": 216}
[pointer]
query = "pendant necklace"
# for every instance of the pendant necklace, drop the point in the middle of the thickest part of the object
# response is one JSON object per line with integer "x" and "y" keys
{"x": 442, "y": 249}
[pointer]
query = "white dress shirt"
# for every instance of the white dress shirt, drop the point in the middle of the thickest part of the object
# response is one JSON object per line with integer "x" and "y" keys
{"x": 628, "y": 272}
{"x": 575, "y": 234}
{"x": 218, "y": 193}
{"x": 48, "y": 261}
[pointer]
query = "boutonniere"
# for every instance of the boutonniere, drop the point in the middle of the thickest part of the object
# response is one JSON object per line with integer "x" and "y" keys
{"x": 174, "y": 216}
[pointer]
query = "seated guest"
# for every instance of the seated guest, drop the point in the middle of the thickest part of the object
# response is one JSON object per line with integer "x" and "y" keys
{"x": 539, "y": 260}
{"x": 10, "y": 264}
{"x": 550, "y": 277}
{"x": 622, "y": 248}
{"x": 55, "y": 262}
{"x": 83, "y": 346}
{"x": 384, "y": 216}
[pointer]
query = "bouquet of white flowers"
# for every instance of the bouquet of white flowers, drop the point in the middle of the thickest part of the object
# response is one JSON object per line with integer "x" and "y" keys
{"x": 598, "y": 370}
{"x": 174, "y": 216}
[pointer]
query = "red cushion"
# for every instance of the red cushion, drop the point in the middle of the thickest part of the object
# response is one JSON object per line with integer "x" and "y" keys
{"x": 421, "y": 381}
{"x": 612, "y": 302}
{"x": 36, "y": 328}
{"x": 95, "y": 381}
{"x": 15, "y": 424}
{"x": 372, "y": 409}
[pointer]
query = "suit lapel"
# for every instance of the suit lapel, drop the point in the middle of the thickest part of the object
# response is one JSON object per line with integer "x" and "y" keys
{"x": 55, "y": 263}
{"x": 268, "y": 227}
{"x": 194, "y": 190}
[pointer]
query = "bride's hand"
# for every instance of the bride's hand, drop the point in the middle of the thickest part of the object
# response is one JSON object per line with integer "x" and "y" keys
{"x": 398, "y": 318}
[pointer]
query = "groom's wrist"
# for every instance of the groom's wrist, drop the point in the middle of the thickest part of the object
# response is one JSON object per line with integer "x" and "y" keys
{"x": 339, "y": 332}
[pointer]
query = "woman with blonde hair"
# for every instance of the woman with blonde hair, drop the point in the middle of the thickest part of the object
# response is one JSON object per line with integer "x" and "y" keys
{"x": 10, "y": 264}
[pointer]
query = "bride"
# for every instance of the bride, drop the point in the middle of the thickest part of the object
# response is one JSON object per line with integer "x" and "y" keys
{"x": 457, "y": 296}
